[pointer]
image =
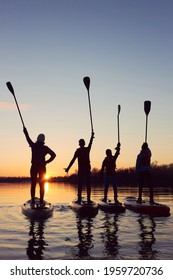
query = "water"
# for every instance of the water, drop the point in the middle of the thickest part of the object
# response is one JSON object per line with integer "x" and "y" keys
{"x": 127, "y": 236}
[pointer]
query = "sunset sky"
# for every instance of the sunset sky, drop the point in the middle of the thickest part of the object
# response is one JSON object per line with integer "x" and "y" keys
{"x": 47, "y": 47}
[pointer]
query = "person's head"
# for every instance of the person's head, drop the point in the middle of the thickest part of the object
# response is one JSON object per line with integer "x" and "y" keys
{"x": 81, "y": 142}
{"x": 144, "y": 146}
{"x": 108, "y": 152}
{"x": 41, "y": 138}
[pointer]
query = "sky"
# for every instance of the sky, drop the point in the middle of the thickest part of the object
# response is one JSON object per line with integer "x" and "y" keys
{"x": 47, "y": 47}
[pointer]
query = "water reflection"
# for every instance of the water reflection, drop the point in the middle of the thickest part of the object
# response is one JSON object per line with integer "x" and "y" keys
{"x": 147, "y": 228}
{"x": 109, "y": 235}
{"x": 66, "y": 236}
{"x": 84, "y": 229}
{"x": 36, "y": 244}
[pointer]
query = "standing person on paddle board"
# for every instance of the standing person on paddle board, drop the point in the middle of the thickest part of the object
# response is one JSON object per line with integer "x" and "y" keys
{"x": 143, "y": 169}
{"x": 108, "y": 169}
{"x": 38, "y": 167}
{"x": 84, "y": 167}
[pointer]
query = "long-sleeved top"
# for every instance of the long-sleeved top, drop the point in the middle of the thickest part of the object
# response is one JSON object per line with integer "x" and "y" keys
{"x": 109, "y": 164}
{"x": 39, "y": 152}
{"x": 83, "y": 156}
{"x": 143, "y": 161}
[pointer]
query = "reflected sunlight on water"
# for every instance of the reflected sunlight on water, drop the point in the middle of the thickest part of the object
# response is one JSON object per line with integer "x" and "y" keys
{"x": 67, "y": 236}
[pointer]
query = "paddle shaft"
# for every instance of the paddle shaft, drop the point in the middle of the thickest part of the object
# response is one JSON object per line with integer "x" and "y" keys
{"x": 19, "y": 111}
{"x": 118, "y": 123}
{"x": 146, "y": 128}
{"x": 147, "y": 108}
{"x": 89, "y": 102}
{"x": 86, "y": 81}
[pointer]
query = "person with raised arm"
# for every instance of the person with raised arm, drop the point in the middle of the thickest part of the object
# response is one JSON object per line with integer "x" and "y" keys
{"x": 38, "y": 163}
{"x": 108, "y": 170}
{"x": 84, "y": 167}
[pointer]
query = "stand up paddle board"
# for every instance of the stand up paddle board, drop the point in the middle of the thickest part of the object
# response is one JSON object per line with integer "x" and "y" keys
{"x": 155, "y": 209}
{"x": 111, "y": 206}
{"x": 37, "y": 211}
{"x": 84, "y": 208}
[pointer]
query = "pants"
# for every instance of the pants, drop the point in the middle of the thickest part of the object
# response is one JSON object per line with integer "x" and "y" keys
{"x": 84, "y": 176}
{"x": 37, "y": 171}
{"x": 110, "y": 180}
{"x": 145, "y": 180}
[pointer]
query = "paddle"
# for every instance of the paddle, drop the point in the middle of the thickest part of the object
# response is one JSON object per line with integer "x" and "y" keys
{"x": 147, "y": 107}
{"x": 10, "y": 87}
{"x": 86, "y": 81}
{"x": 119, "y": 109}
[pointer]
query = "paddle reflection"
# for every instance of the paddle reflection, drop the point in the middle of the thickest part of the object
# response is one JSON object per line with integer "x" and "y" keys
{"x": 36, "y": 244}
{"x": 109, "y": 235}
{"x": 147, "y": 228}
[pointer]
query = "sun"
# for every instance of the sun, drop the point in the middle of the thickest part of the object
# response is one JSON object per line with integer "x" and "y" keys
{"x": 46, "y": 177}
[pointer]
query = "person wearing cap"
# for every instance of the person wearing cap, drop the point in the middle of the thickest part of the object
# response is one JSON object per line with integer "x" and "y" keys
{"x": 108, "y": 171}
{"x": 84, "y": 167}
{"x": 38, "y": 163}
{"x": 143, "y": 170}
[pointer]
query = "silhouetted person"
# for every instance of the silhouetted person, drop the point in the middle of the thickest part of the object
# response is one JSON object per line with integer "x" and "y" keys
{"x": 108, "y": 169}
{"x": 143, "y": 169}
{"x": 84, "y": 167}
{"x": 38, "y": 166}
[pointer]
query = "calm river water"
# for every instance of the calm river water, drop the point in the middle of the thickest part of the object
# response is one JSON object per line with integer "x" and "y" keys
{"x": 127, "y": 236}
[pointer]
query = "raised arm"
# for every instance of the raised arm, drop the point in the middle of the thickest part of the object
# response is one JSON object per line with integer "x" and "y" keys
{"x": 91, "y": 140}
{"x": 117, "y": 150}
{"x": 30, "y": 142}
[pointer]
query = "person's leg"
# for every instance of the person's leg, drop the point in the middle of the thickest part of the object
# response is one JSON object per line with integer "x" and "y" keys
{"x": 33, "y": 173}
{"x": 42, "y": 173}
{"x": 88, "y": 186}
{"x": 141, "y": 181}
{"x": 151, "y": 195}
{"x": 114, "y": 184}
{"x": 106, "y": 187}
{"x": 148, "y": 175}
{"x": 80, "y": 184}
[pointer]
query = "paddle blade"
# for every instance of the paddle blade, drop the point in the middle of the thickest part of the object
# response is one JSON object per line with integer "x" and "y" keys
{"x": 10, "y": 87}
{"x": 147, "y": 107}
{"x": 86, "y": 81}
{"x": 119, "y": 109}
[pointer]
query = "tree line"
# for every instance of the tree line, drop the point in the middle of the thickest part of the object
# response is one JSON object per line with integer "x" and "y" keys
{"x": 162, "y": 176}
